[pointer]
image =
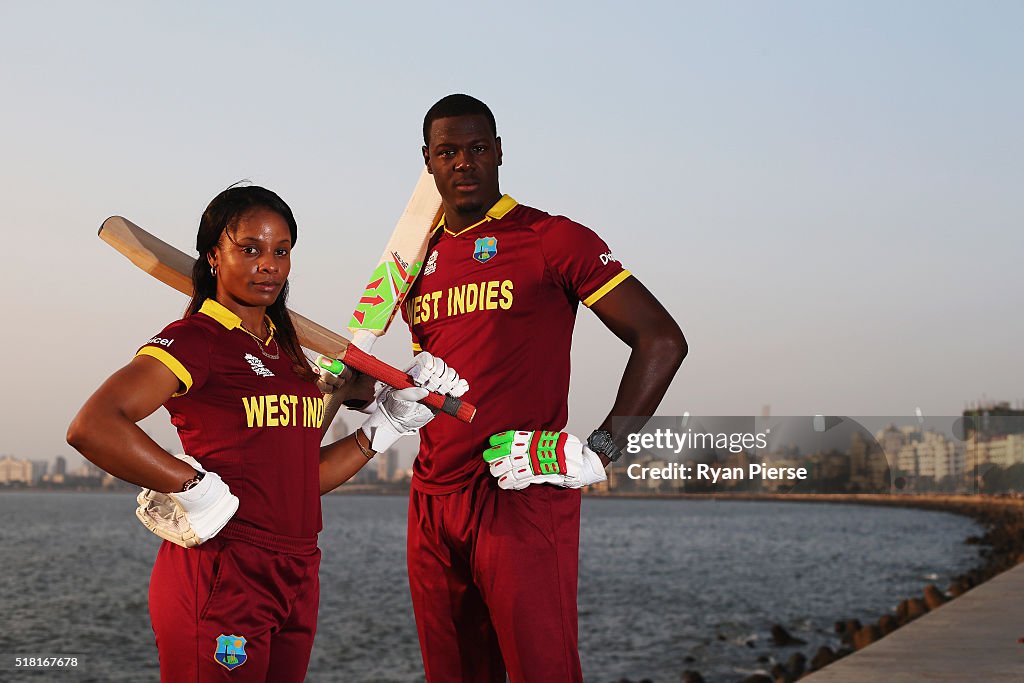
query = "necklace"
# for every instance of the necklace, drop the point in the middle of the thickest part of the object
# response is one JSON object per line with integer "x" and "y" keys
{"x": 260, "y": 344}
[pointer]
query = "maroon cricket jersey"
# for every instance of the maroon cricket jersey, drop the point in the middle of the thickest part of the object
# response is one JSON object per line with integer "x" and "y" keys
{"x": 498, "y": 302}
{"x": 246, "y": 416}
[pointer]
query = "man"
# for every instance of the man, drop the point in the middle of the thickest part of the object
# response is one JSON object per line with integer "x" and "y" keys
{"x": 493, "y": 572}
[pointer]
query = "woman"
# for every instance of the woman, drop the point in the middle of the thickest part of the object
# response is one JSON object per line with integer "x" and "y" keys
{"x": 250, "y": 417}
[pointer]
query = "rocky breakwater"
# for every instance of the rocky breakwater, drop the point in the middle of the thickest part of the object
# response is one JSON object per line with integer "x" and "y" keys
{"x": 1001, "y": 548}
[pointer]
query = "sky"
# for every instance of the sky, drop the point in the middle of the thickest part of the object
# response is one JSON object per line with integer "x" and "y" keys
{"x": 826, "y": 196}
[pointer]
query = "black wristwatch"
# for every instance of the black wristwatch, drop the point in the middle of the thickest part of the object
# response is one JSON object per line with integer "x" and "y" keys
{"x": 193, "y": 481}
{"x": 600, "y": 441}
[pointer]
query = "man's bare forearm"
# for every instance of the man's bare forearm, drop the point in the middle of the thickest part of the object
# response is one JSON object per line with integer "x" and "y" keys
{"x": 651, "y": 367}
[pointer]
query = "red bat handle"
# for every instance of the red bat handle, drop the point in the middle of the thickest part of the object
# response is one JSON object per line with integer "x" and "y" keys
{"x": 378, "y": 369}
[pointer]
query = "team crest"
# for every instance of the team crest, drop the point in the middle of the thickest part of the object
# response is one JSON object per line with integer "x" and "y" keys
{"x": 485, "y": 249}
{"x": 230, "y": 651}
{"x": 431, "y": 263}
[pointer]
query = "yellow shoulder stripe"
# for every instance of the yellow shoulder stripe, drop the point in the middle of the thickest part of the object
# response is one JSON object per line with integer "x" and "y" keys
{"x": 502, "y": 206}
{"x": 605, "y": 288}
{"x": 496, "y": 212}
{"x": 220, "y": 313}
{"x": 230, "y": 321}
{"x": 172, "y": 364}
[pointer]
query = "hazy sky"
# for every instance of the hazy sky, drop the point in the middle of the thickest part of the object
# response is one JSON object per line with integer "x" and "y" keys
{"x": 827, "y": 196}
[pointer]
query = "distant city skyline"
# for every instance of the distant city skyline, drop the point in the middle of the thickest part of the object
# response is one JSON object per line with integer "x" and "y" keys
{"x": 825, "y": 196}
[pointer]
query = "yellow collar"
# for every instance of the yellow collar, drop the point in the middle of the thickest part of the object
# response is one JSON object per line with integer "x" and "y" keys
{"x": 229, "y": 320}
{"x": 495, "y": 213}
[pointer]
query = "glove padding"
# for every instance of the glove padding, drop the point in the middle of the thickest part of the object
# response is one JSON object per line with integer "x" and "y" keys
{"x": 398, "y": 414}
{"x": 433, "y": 374}
{"x": 518, "y": 459}
{"x": 190, "y": 517}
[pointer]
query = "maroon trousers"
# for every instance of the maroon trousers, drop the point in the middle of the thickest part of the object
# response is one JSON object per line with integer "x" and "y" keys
{"x": 228, "y": 610}
{"x": 493, "y": 576}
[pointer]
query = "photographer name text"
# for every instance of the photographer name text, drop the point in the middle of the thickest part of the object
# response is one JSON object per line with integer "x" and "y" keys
{"x": 714, "y": 474}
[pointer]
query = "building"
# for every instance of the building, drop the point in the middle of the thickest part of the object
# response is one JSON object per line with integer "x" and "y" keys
{"x": 39, "y": 470}
{"x": 994, "y": 419}
{"x": 892, "y": 440}
{"x": 88, "y": 470}
{"x": 783, "y": 485}
{"x": 1004, "y": 451}
{"x": 13, "y": 471}
{"x": 387, "y": 465}
{"x": 931, "y": 456}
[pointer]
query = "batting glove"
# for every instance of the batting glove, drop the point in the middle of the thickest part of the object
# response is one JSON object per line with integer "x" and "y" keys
{"x": 433, "y": 374}
{"x": 190, "y": 517}
{"x": 518, "y": 459}
{"x": 398, "y": 414}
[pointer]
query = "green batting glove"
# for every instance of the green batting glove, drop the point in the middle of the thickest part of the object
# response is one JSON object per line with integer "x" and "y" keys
{"x": 520, "y": 458}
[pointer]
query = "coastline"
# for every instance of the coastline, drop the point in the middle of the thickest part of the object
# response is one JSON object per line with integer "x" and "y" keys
{"x": 1002, "y": 548}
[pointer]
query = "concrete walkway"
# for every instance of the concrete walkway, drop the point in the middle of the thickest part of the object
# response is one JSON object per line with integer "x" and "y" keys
{"x": 972, "y": 638}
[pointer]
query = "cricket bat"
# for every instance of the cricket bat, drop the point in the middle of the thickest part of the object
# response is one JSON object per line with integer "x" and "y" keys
{"x": 398, "y": 266}
{"x": 174, "y": 268}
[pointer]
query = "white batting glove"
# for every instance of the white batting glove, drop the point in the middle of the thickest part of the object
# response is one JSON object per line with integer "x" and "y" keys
{"x": 518, "y": 459}
{"x": 398, "y": 414}
{"x": 190, "y": 517}
{"x": 433, "y": 374}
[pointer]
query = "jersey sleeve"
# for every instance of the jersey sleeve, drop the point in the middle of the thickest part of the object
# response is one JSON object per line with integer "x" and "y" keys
{"x": 580, "y": 260}
{"x": 185, "y": 350}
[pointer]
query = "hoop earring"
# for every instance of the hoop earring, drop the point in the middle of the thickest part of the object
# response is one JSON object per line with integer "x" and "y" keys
{"x": 213, "y": 271}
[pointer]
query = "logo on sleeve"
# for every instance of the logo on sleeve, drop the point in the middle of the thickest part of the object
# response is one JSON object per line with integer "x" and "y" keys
{"x": 161, "y": 341}
{"x": 485, "y": 248}
{"x": 230, "y": 651}
{"x": 607, "y": 258}
{"x": 431, "y": 263}
{"x": 257, "y": 366}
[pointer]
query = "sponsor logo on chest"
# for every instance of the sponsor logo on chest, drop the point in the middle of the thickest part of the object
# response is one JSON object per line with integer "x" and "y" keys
{"x": 431, "y": 264}
{"x": 257, "y": 366}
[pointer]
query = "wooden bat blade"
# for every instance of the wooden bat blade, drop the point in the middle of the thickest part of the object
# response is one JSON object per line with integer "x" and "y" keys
{"x": 173, "y": 267}
{"x": 167, "y": 264}
{"x": 398, "y": 266}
